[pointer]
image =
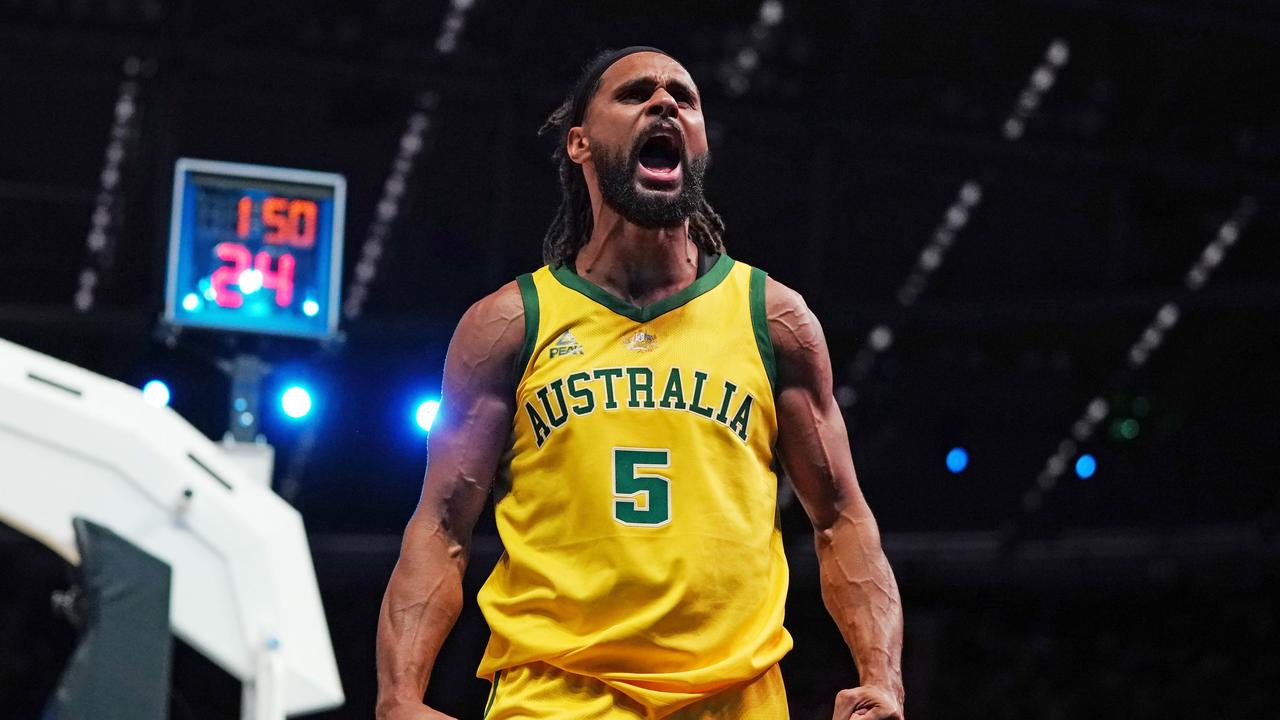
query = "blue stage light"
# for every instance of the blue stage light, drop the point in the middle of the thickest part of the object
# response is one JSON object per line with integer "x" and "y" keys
{"x": 296, "y": 402}
{"x": 155, "y": 392}
{"x": 426, "y": 413}
{"x": 957, "y": 460}
{"x": 1086, "y": 466}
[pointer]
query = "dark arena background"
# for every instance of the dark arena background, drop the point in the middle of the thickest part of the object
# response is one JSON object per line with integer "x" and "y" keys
{"x": 1041, "y": 236}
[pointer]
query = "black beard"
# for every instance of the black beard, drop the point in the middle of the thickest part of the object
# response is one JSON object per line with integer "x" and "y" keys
{"x": 645, "y": 208}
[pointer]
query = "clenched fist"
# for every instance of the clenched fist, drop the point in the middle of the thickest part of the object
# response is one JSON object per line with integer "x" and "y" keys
{"x": 867, "y": 702}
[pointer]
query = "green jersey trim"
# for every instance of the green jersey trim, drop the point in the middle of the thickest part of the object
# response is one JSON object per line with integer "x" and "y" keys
{"x": 529, "y": 296}
{"x": 713, "y": 277}
{"x": 493, "y": 694}
{"x": 760, "y": 324}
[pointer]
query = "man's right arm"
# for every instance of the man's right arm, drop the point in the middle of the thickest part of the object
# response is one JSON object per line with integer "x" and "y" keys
{"x": 468, "y": 437}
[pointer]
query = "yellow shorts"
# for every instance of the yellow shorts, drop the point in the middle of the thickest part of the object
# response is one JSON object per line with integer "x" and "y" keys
{"x": 541, "y": 692}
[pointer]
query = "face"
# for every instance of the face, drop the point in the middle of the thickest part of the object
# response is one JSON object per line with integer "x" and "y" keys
{"x": 642, "y": 142}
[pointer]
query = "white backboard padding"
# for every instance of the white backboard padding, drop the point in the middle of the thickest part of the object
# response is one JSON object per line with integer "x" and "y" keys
{"x": 73, "y": 443}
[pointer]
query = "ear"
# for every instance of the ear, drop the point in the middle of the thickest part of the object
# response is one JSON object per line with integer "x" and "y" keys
{"x": 577, "y": 146}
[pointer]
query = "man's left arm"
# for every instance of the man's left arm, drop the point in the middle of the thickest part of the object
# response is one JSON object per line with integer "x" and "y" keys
{"x": 858, "y": 586}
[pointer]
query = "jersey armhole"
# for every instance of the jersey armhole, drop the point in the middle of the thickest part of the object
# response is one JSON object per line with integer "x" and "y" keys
{"x": 760, "y": 325}
{"x": 528, "y": 296}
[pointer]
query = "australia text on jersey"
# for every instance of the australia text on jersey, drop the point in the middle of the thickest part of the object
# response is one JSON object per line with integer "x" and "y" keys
{"x": 634, "y": 387}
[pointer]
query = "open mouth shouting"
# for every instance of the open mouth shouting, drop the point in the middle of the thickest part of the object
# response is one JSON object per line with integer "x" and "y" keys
{"x": 659, "y": 159}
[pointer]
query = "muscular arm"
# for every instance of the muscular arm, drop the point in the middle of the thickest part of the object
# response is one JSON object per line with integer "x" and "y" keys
{"x": 858, "y": 586}
{"x": 424, "y": 595}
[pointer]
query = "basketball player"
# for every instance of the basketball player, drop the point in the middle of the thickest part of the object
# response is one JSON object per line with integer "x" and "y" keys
{"x": 625, "y": 403}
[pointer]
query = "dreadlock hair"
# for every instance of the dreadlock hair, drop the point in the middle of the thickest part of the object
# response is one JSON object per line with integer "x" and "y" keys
{"x": 571, "y": 228}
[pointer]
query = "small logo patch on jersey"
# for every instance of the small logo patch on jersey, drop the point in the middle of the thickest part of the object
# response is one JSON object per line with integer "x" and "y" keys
{"x": 566, "y": 344}
{"x": 642, "y": 341}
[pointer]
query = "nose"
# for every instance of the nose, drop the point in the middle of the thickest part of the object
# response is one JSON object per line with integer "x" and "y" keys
{"x": 662, "y": 104}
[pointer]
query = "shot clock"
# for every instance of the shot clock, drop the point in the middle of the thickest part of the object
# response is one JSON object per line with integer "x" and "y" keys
{"x": 255, "y": 249}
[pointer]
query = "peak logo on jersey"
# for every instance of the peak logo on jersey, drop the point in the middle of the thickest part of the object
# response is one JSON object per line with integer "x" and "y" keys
{"x": 642, "y": 341}
{"x": 566, "y": 344}
{"x": 639, "y": 388}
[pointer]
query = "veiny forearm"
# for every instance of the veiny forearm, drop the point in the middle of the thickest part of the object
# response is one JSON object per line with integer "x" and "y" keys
{"x": 422, "y": 602}
{"x": 813, "y": 444}
{"x": 861, "y": 594}
{"x": 424, "y": 594}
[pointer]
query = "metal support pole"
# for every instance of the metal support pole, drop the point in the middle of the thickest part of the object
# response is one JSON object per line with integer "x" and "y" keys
{"x": 246, "y": 373}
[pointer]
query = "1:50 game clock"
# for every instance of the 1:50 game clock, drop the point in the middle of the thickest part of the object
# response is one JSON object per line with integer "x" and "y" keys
{"x": 255, "y": 249}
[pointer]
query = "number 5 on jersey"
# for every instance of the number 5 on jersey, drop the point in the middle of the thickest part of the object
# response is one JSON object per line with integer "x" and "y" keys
{"x": 641, "y": 499}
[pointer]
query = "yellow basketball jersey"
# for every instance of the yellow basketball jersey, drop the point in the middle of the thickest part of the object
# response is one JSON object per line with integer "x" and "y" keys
{"x": 638, "y": 509}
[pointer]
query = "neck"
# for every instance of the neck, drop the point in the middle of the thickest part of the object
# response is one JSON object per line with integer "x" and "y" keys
{"x": 637, "y": 264}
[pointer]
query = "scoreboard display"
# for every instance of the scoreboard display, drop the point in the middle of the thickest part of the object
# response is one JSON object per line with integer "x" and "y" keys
{"x": 255, "y": 249}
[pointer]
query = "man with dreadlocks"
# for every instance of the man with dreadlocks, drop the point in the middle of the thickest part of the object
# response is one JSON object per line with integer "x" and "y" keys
{"x": 626, "y": 403}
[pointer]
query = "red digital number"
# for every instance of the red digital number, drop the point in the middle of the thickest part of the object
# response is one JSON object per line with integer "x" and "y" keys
{"x": 286, "y": 222}
{"x": 281, "y": 280}
{"x": 244, "y": 217}
{"x": 289, "y": 222}
{"x": 302, "y": 219}
{"x": 275, "y": 215}
{"x": 241, "y": 259}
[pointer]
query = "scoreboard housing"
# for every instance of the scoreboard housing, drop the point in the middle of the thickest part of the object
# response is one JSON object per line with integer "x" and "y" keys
{"x": 255, "y": 249}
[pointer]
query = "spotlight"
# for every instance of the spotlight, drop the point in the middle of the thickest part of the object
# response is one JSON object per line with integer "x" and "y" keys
{"x": 957, "y": 460}
{"x": 156, "y": 393}
{"x": 426, "y": 414}
{"x": 311, "y": 308}
{"x": 1086, "y": 466}
{"x": 771, "y": 12}
{"x": 1129, "y": 428}
{"x": 250, "y": 281}
{"x": 1058, "y": 53}
{"x": 881, "y": 338}
{"x": 296, "y": 402}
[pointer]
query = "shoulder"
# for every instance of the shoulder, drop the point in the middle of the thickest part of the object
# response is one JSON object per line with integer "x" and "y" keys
{"x": 791, "y": 322}
{"x": 799, "y": 345}
{"x": 491, "y": 331}
{"x": 504, "y": 303}
{"x": 781, "y": 297}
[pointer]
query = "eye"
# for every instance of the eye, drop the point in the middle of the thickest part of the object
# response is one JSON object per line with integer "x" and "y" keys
{"x": 633, "y": 95}
{"x": 683, "y": 98}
